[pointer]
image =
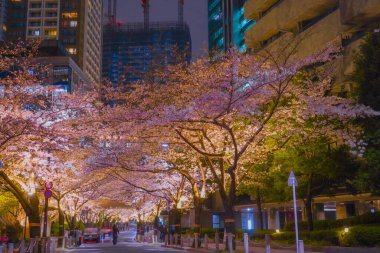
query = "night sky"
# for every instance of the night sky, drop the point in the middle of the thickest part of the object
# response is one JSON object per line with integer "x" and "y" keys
{"x": 195, "y": 14}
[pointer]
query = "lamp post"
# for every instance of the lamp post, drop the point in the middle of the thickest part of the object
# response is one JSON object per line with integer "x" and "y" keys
{"x": 292, "y": 181}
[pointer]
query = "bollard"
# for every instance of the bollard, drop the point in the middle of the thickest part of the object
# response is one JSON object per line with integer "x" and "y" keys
{"x": 22, "y": 247}
{"x": 189, "y": 241}
{"x": 229, "y": 240}
{"x": 301, "y": 246}
{"x": 175, "y": 239}
{"x": 206, "y": 241}
{"x": 267, "y": 244}
{"x": 182, "y": 241}
{"x": 171, "y": 239}
{"x": 11, "y": 247}
{"x": 246, "y": 243}
{"x": 43, "y": 245}
{"x": 217, "y": 241}
{"x": 196, "y": 240}
{"x": 54, "y": 244}
{"x": 166, "y": 240}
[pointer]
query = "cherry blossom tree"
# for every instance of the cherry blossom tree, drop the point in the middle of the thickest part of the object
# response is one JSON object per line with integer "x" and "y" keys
{"x": 233, "y": 112}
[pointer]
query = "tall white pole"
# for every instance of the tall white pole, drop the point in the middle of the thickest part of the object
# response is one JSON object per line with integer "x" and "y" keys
{"x": 295, "y": 215}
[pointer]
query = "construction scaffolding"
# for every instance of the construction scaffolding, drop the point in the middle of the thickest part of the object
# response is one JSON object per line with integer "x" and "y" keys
{"x": 135, "y": 51}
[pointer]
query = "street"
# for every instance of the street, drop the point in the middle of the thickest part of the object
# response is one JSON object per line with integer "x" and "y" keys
{"x": 125, "y": 244}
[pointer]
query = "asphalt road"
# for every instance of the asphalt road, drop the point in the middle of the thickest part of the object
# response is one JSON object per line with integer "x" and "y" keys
{"x": 125, "y": 244}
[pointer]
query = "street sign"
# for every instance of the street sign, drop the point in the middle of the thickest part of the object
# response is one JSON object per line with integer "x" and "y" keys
{"x": 48, "y": 185}
{"x": 48, "y": 193}
{"x": 292, "y": 181}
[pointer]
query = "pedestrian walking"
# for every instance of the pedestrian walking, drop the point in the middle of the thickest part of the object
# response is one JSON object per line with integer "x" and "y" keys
{"x": 78, "y": 237}
{"x": 115, "y": 234}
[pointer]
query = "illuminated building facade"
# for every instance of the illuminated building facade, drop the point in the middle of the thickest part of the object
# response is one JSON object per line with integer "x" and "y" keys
{"x": 77, "y": 24}
{"x": 135, "y": 51}
{"x": 227, "y": 25}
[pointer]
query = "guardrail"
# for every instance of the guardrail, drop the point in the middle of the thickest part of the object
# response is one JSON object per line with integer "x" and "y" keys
{"x": 37, "y": 245}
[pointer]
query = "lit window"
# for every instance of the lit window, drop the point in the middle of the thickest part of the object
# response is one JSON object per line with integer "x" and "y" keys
{"x": 70, "y": 14}
{"x": 51, "y": 32}
{"x": 72, "y": 50}
{"x": 73, "y": 23}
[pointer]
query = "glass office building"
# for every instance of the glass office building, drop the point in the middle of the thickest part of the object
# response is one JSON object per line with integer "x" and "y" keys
{"x": 227, "y": 25}
{"x": 134, "y": 51}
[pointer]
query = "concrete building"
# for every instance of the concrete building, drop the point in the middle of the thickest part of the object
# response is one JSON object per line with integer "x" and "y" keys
{"x": 62, "y": 71}
{"x": 312, "y": 24}
{"x": 77, "y": 24}
{"x": 227, "y": 25}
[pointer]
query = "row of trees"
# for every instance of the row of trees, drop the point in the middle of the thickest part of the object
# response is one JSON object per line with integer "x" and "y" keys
{"x": 234, "y": 126}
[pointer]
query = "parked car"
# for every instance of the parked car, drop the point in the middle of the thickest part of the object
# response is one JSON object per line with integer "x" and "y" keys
{"x": 91, "y": 235}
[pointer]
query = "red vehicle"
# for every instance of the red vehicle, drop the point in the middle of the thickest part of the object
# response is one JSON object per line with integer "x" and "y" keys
{"x": 91, "y": 235}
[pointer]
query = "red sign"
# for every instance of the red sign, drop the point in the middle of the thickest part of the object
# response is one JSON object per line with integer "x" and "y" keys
{"x": 48, "y": 193}
{"x": 48, "y": 185}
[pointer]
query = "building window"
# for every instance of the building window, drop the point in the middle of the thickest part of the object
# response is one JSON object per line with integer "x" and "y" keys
{"x": 247, "y": 220}
{"x": 34, "y": 33}
{"x": 215, "y": 221}
{"x": 72, "y": 51}
{"x": 70, "y": 14}
{"x": 73, "y": 23}
{"x": 51, "y": 33}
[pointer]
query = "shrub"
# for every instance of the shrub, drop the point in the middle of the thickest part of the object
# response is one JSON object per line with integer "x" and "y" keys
{"x": 368, "y": 236}
{"x": 367, "y": 218}
{"x": 239, "y": 233}
{"x": 330, "y": 237}
{"x": 210, "y": 232}
{"x": 54, "y": 229}
{"x": 260, "y": 234}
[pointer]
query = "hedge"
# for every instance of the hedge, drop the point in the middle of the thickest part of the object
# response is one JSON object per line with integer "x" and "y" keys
{"x": 367, "y": 236}
{"x": 367, "y": 218}
{"x": 357, "y": 236}
{"x": 260, "y": 234}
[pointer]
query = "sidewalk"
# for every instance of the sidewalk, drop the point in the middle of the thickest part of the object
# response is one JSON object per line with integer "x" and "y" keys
{"x": 239, "y": 249}
{"x": 283, "y": 249}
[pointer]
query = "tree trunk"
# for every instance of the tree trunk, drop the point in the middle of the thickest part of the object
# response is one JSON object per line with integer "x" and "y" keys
{"x": 34, "y": 217}
{"x": 197, "y": 214}
{"x": 197, "y": 218}
{"x": 308, "y": 204}
{"x": 177, "y": 220}
{"x": 259, "y": 209}
{"x": 61, "y": 223}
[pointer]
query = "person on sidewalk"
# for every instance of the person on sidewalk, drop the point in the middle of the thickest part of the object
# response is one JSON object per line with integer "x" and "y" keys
{"x": 78, "y": 237}
{"x": 115, "y": 234}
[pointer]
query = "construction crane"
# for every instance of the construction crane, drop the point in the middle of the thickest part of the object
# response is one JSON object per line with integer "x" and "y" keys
{"x": 145, "y": 5}
{"x": 111, "y": 14}
{"x": 180, "y": 11}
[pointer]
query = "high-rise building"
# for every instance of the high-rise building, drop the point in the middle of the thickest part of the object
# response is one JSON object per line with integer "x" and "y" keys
{"x": 77, "y": 24}
{"x": 227, "y": 25}
{"x": 311, "y": 25}
{"x": 135, "y": 51}
{"x": 3, "y": 18}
